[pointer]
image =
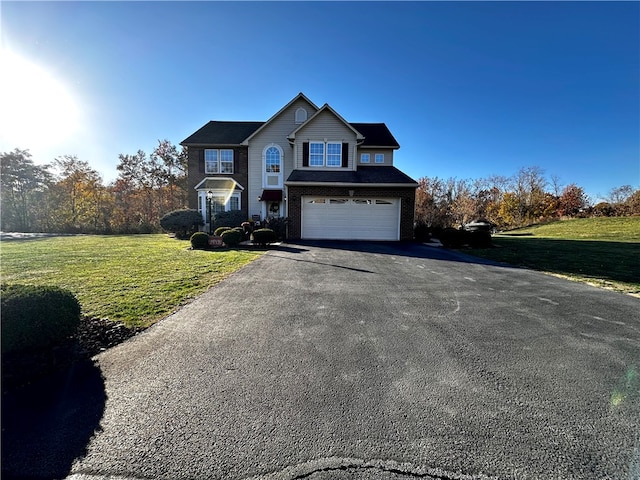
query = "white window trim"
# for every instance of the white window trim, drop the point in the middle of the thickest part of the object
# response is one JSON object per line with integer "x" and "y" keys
{"x": 363, "y": 156}
{"x": 377, "y": 156}
{"x": 219, "y": 160}
{"x": 300, "y": 116}
{"x": 325, "y": 153}
{"x": 265, "y": 174}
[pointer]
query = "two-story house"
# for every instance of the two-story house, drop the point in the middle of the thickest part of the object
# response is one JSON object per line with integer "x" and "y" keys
{"x": 332, "y": 179}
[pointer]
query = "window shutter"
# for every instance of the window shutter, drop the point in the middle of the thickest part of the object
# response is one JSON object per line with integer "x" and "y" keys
{"x": 305, "y": 154}
{"x": 201, "y": 160}
{"x": 345, "y": 154}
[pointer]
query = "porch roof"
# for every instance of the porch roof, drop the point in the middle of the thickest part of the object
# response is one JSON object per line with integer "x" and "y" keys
{"x": 218, "y": 183}
{"x": 271, "y": 195}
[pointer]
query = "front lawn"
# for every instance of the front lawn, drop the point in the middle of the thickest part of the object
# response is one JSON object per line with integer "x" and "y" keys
{"x": 600, "y": 251}
{"x": 135, "y": 279}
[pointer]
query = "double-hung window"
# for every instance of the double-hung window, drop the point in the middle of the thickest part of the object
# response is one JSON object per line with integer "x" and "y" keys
{"x": 365, "y": 158}
{"x": 334, "y": 154}
{"x": 218, "y": 161}
{"x": 379, "y": 157}
{"x": 316, "y": 154}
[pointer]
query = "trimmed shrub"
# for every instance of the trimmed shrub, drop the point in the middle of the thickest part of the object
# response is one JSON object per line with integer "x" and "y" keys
{"x": 479, "y": 239}
{"x": 422, "y": 232}
{"x": 452, "y": 238}
{"x": 199, "y": 240}
{"x": 233, "y": 218}
{"x": 264, "y": 236}
{"x": 220, "y": 230}
{"x": 278, "y": 225}
{"x": 182, "y": 222}
{"x": 37, "y": 317}
{"x": 232, "y": 237}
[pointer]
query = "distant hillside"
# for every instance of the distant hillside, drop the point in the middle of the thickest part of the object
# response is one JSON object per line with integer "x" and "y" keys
{"x": 620, "y": 229}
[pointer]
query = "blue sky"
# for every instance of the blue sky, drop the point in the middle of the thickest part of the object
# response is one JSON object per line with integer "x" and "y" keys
{"x": 469, "y": 89}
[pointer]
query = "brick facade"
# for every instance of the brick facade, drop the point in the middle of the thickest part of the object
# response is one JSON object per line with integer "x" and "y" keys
{"x": 195, "y": 158}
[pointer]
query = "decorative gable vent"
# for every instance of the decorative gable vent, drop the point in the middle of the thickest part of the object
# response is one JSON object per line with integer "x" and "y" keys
{"x": 301, "y": 115}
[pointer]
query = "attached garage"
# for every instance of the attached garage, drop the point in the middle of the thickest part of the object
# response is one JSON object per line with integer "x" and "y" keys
{"x": 347, "y": 218}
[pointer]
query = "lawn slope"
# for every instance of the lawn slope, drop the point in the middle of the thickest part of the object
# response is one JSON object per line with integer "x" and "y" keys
{"x": 600, "y": 251}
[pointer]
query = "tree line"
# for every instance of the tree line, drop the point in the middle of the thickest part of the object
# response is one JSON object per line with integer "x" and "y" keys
{"x": 511, "y": 202}
{"x": 69, "y": 196}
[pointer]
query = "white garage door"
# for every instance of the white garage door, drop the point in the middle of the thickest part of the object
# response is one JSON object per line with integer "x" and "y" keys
{"x": 339, "y": 218}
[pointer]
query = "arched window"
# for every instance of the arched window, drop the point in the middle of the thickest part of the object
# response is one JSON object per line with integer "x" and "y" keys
{"x": 272, "y": 160}
{"x": 301, "y": 115}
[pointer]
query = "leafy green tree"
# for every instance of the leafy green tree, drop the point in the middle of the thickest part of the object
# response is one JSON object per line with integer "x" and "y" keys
{"x": 23, "y": 185}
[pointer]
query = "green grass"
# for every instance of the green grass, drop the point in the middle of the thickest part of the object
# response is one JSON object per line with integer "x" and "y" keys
{"x": 136, "y": 279}
{"x": 600, "y": 251}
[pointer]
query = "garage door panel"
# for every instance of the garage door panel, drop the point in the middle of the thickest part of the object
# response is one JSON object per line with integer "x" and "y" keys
{"x": 350, "y": 219}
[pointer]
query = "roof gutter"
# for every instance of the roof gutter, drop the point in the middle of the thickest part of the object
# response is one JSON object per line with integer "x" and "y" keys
{"x": 351, "y": 184}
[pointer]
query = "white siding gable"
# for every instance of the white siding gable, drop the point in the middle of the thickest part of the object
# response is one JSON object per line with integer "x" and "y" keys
{"x": 275, "y": 132}
{"x": 328, "y": 128}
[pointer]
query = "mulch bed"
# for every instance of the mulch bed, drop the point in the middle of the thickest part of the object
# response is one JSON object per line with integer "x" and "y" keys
{"x": 93, "y": 336}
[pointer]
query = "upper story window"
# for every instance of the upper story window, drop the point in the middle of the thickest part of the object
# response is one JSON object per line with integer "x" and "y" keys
{"x": 301, "y": 115}
{"x": 327, "y": 154}
{"x": 334, "y": 154}
{"x": 218, "y": 161}
{"x": 365, "y": 158}
{"x": 272, "y": 160}
{"x": 316, "y": 154}
{"x": 379, "y": 157}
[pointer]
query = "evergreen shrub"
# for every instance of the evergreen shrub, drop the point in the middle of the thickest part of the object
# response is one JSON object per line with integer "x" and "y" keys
{"x": 264, "y": 236}
{"x": 199, "y": 240}
{"x": 233, "y": 218}
{"x": 182, "y": 222}
{"x": 37, "y": 317}
{"x": 452, "y": 238}
{"x": 421, "y": 232}
{"x": 232, "y": 237}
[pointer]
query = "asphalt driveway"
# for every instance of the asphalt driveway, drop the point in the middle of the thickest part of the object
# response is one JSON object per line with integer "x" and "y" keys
{"x": 364, "y": 360}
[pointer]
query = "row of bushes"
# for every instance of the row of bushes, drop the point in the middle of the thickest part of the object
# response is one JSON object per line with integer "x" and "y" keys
{"x": 233, "y": 236}
{"x": 455, "y": 238}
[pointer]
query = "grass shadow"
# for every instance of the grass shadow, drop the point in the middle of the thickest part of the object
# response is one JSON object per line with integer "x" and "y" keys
{"x": 47, "y": 424}
{"x": 598, "y": 260}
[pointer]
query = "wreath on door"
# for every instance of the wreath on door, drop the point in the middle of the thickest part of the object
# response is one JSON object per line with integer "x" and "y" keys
{"x": 274, "y": 207}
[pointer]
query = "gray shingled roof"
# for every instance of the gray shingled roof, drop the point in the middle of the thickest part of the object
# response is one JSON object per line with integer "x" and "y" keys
{"x": 385, "y": 174}
{"x": 234, "y": 133}
{"x": 222, "y": 133}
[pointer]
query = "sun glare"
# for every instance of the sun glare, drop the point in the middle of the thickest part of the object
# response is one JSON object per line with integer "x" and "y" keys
{"x": 36, "y": 110}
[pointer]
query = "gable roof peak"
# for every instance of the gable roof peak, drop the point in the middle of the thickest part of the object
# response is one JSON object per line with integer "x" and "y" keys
{"x": 277, "y": 114}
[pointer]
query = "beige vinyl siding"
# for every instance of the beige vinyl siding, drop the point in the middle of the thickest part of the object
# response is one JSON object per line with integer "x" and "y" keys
{"x": 276, "y": 132}
{"x": 387, "y": 152}
{"x": 325, "y": 126}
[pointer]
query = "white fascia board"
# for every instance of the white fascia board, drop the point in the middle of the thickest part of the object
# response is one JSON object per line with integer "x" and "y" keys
{"x": 326, "y": 106}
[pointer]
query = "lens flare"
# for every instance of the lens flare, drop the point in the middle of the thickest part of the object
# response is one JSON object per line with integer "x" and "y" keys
{"x": 36, "y": 109}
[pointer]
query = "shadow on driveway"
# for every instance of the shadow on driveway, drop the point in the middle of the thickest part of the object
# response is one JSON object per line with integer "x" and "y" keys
{"x": 405, "y": 249}
{"x": 48, "y": 424}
